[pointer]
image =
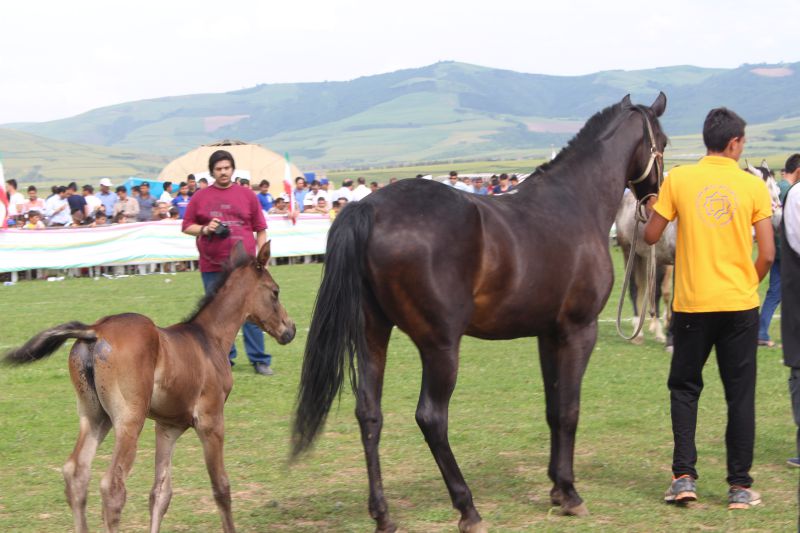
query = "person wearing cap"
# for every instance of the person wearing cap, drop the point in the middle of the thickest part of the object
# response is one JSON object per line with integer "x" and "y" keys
{"x": 324, "y": 183}
{"x": 107, "y": 198}
{"x": 126, "y": 209}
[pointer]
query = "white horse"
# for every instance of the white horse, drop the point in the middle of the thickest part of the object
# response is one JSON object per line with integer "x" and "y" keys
{"x": 665, "y": 259}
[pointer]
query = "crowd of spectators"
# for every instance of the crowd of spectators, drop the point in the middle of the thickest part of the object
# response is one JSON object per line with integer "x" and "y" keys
{"x": 65, "y": 206}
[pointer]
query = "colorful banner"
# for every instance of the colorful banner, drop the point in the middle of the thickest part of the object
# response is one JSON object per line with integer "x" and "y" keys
{"x": 142, "y": 242}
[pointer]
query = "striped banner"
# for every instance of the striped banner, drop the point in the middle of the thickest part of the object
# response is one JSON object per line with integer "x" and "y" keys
{"x": 140, "y": 243}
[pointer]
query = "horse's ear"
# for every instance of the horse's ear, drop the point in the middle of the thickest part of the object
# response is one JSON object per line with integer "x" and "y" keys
{"x": 765, "y": 165}
{"x": 263, "y": 255}
{"x": 660, "y": 104}
{"x": 239, "y": 254}
{"x": 626, "y": 100}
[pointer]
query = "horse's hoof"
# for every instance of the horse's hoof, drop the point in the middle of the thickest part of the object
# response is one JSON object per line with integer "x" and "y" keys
{"x": 388, "y": 528}
{"x": 578, "y": 510}
{"x": 638, "y": 340}
{"x": 476, "y": 527}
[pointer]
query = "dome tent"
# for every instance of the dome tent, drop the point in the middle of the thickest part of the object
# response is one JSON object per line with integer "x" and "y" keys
{"x": 253, "y": 161}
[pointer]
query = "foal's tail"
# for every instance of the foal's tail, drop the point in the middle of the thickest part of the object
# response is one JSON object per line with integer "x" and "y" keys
{"x": 336, "y": 337}
{"x": 47, "y": 342}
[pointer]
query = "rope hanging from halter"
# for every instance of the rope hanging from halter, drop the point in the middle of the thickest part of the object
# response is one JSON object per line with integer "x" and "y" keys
{"x": 641, "y": 218}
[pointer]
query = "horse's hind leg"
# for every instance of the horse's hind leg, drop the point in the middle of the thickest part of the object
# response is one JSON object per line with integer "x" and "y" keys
{"x": 370, "y": 418}
{"x": 126, "y": 433}
{"x": 160, "y": 495}
{"x": 439, "y": 370}
{"x": 564, "y": 358}
{"x": 94, "y": 425}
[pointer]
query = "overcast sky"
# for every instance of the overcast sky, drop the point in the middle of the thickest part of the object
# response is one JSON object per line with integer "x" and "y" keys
{"x": 58, "y": 59}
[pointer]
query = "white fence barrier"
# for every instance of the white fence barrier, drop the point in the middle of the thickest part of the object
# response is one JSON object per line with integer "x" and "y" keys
{"x": 141, "y": 243}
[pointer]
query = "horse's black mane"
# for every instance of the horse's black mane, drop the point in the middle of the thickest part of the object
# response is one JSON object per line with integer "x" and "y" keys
{"x": 586, "y": 139}
{"x": 227, "y": 270}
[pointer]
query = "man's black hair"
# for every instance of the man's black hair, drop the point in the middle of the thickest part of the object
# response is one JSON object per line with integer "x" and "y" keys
{"x": 190, "y": 177}
{"x": 792, "y": 164}
{"x": 346, "y": 183}
{"x": 183, "y": 184}
{"x": 298, "y": 178}
{"x": 220, "y": 155}
{"x": 316, "y": 182}
{"x": 61, "y": 189}
{"x": 72, "y": 185}
{"x": 721, "y": 125}
{"x": 202, "y": 180}
{"x": 31, "y": 188}
{"x": 362, "y": 181}
{"x": 453, "y": 173}
{"x": 12, "y": 182}
{"x": 144, "y": 184}
{"x": 89, "y": 188}
{"x": 167, "y": 184}
{"x": 263, "y": 182}
{"x": 121, "y": 188}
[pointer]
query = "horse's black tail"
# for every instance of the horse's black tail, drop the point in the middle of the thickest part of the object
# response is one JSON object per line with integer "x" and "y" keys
{"x": 336, "y": 337}
{"x": 47, "y": 342}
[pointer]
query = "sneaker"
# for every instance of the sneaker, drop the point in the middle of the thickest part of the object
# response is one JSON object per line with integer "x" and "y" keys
{"x": 742, "y": 498}
{"x": 683, "y": 489}
{"x": 263, "y": 368}
{"x": 794, "y": 461}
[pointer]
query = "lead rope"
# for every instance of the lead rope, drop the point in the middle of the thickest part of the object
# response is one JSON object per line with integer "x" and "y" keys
{"x": 649, "y": 295}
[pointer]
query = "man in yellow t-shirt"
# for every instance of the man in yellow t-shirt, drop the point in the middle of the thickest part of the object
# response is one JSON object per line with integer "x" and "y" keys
{"x": 717, "y": 205}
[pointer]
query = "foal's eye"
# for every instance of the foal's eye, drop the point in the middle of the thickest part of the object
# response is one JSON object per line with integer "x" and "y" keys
{"x": 276, "y": 292}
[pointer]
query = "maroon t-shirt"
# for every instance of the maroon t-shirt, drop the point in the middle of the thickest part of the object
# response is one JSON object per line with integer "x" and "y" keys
{"x": 237, "y": 207}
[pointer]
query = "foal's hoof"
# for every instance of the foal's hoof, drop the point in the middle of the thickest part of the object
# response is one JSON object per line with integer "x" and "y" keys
{"x": 388, "y": 528}
{"x": 475, "y": 527}
{"x": 578, "y": 510}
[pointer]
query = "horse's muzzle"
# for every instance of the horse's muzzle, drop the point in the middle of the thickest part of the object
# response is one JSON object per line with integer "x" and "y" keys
{"x": 288, "y": 334}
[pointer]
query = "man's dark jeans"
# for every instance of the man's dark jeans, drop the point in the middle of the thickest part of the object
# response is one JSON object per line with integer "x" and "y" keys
{"x": 735, "y": 336}
{"x": 253, "y": 336}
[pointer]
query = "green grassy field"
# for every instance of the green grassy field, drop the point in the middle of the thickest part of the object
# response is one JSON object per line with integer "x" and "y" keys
{"x": 497, "y": 429}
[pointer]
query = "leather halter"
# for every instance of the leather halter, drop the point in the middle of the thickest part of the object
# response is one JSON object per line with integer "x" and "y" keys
{"x": 656, "y": 157}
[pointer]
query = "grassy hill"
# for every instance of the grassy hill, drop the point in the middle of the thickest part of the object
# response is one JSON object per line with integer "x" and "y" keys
{"x": 33, "y": 159}
{"x": 441, "y": 112}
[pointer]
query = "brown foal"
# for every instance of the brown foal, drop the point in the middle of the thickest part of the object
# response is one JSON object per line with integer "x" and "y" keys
{"x": 125, "y": 369}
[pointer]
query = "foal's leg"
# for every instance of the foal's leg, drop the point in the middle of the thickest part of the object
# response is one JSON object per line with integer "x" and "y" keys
{"x": 370, "y": 418}
{"x": 439, "y": 370}
{"x": 569, "y": 351}
{"x": 94, "y": 425}
{"x": 166, "y": 437}
{"x": 126, "y": 432}
{"x": 211, "y": 429}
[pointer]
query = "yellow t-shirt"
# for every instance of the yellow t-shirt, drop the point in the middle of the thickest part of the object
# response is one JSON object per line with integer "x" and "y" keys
{"x": 716, "y": 204}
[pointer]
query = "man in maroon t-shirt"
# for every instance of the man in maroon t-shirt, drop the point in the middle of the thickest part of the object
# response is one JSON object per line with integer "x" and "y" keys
{"x": 219, "y": 216}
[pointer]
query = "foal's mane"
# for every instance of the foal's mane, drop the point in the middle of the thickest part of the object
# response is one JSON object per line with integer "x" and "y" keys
{"x": 227, "y": 270}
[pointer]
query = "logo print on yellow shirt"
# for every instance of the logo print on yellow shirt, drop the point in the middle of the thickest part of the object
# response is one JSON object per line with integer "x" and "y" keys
{"x": 716, "y": 205}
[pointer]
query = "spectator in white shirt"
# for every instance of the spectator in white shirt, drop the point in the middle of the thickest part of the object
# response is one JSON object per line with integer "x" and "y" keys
{"x": 457, "y": 183}
{"x": 345, "y": 192}
{"x": 361, "y": 191}
{"x": 93, "y": 203}
{"x": 15, "y": 198}
{"x": 57, "y": 208}
{"x": 166, "y": 196}
{"x": 313, "y": 195}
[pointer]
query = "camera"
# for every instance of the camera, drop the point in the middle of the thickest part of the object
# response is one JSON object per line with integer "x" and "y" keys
{"x": 222, "y": 230}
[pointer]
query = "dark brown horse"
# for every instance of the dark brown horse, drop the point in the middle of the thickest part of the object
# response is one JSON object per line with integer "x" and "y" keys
{"x": 125, "y": 369}
{"x": 537, "y": 264}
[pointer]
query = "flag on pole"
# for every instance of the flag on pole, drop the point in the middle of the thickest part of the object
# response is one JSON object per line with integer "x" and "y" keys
{"x": 3, "y": 198}
{"x": 287, "y": 187}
